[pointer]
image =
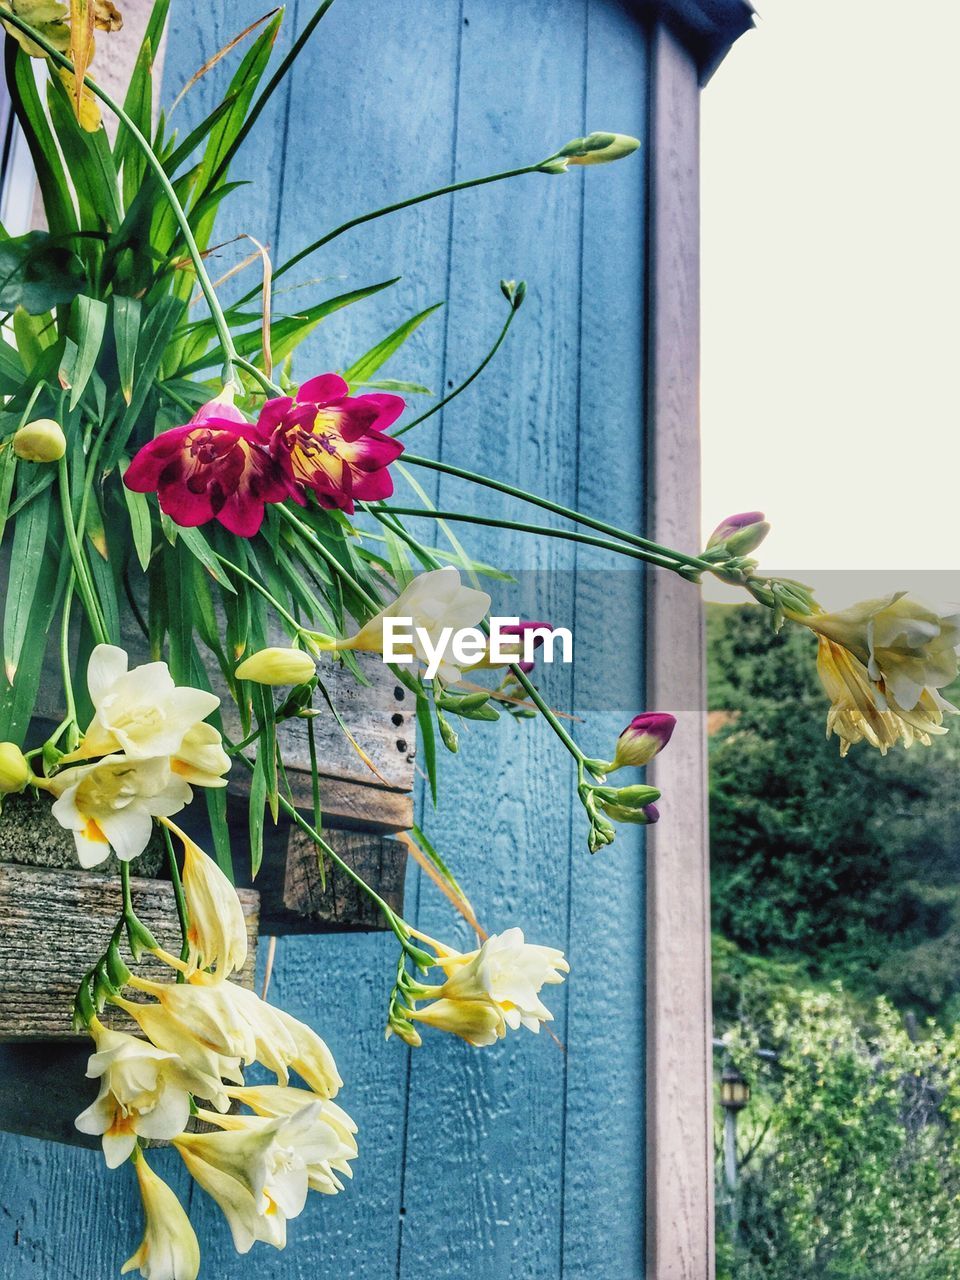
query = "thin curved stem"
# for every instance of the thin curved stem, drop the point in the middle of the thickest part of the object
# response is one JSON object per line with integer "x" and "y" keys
{"x": 87, "y": 593}
{"x": 310, "y": 537}
{"x": 541, "y": 530}
{"x": 203, "y": 279}
{"x": 568, "y": 513}
{"x": 463, "y": 385}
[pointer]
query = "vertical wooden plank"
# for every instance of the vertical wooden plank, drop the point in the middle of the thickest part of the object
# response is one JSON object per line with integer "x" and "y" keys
{"x": 603, "y": 1236}
{"x": 679, "y": 1081}
{"x": 485, "y": 1127}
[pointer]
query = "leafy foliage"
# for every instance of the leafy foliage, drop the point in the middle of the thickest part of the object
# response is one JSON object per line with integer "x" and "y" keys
{"x": 850, "y": 868}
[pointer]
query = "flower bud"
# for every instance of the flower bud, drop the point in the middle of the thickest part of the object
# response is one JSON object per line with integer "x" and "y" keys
{"x": 642, "y": 815}
{"x": 40, "y": 441}
{"x": 277, "y": 666}
{"x": 644, "y": 736}
{"x": 739, "y": 534}
{"x": 14, "y": 770}
{"x": 599, "y": 148}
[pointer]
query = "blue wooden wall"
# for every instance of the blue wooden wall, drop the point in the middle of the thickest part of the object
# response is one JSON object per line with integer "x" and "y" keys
{"x": 525, "y": 1160}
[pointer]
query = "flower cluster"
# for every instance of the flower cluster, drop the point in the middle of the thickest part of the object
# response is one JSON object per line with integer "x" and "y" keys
{"x": 485, "y": 992}
{"x": 221, "y": 467}
{"x": 645, "y": 736}
{"x": 200, "y": 1033}
{"x": 144, "y": 750}
{"x": 882, "y": 663}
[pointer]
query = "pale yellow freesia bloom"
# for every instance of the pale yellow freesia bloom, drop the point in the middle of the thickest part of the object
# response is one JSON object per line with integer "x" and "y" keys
{"x": 859, "y": 713}
{"x": 169, "y": 1249}
{"x": 144, "y": 1092}
{"x": 236, "y": 1023}
{"x": 277, "y": 667}
{"x": 477, "y": 1021}
{"x": 333, "y": 1134}
{"x": 14, "y": 769}
{"x": 113, "y": 803}
{"x": 905, "y": 646}
{"x": 508, "y": 972}
{"x": 217, "y": 932}
{"x": 169, "y": 1032}
{"x": 258, "y": 1174}
{"x": 433, "y": 601}
{"x": 140, "y": 712}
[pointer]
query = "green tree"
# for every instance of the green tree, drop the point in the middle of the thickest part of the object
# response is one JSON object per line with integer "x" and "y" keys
{"x": 850, "y": 867}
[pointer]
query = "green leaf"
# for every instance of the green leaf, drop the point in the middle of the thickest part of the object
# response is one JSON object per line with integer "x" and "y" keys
{"x": 364, "y": 368}
{"x": 126, "y": 332}
{"x": 141, "y": 527}
{"x": 151, "y": 348}
{"x": 216, "y": 798}
{"x": 8, "y": 470}
{"x": 37, "y": 274}
{"x": 198, "y": 546}
{"x": 89, "y": 163}
{"x": 57, "y": 201}
{"x": 258, "y": 800}
{"x": 400, "y": 388}
{"x": 91, "y": 321}
{"x": 26, "y": 559}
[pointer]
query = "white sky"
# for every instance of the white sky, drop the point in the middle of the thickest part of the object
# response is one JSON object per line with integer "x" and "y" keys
{"x": 831, "y": 283}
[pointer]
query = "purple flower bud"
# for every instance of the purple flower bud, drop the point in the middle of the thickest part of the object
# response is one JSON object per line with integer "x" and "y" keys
{"x": 644, "y": 736}
{"x": 740, "y": 534}
{"x": 520, "y": 629}
{"x": 651, "y": 813}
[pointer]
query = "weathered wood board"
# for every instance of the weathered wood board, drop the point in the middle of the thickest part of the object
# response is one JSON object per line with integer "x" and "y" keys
{"x": 55, "y": 924}
{"x": 296, "y": 898}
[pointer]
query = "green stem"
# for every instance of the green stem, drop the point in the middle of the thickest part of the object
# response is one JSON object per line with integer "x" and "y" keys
{"x": 397, "y": 923}
{"x": 87, "y": 593}
{"x": 391, "y": 208}
{"x": 258, "y": 586}
{"x": 71, "y": 706}
{"x": 128, "y": 911}
{"x": 542, "y": 530}
{"x": 568, "y": 513}
{"x": 203, "y": 279}
{"x": 463, "y": 385}
{"x": 310, "y": 537}
{"x": 178, "y": 896}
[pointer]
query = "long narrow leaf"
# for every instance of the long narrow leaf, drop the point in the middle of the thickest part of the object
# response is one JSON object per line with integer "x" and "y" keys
{"x": 57, "y": 202}
{"x": 364, "y": 368}
{"x": 26, "y": 558}
{"x": 91, "y": 321}
{"x": 126, "y": 334}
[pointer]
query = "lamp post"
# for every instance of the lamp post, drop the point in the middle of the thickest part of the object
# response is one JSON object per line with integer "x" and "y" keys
{"x": 734, "y": 1096}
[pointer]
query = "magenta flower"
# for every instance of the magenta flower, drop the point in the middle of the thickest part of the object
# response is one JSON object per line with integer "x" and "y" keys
{"x": 217, "y": 467}
{"x": 644, "y": 736}
{"x": 333, "y": 443}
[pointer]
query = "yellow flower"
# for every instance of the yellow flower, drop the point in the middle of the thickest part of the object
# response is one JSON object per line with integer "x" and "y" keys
{"x": 488, "y": 990}
{"x": 113, "y": 803}
{"x": 477, "y": 1022}
{"x": 144, "y": 1092}
{"x": 169, "y": 1249}
{"x": 141, "y": 712}
{"x": 905, "y": 646}
{"x": 14, "y": 769}
{"x": 860, "y": 712}
{"x": 336, "y": 1144}
{"x": 437, "y": 605}
{"x": 217, "y": 933}
{"x": 171, "y": 1033}
{"x": 200, "y": 758}
{"x": 599, "y": 148}
{"x": 277, "y": 666}
{"x": 40, "y": 441}
{"x": 257, "y": 1173}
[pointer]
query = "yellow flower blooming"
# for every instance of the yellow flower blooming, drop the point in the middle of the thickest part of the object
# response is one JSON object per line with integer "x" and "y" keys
{"x": 905, "y": 646}
{"x": 113, "y": 803}
{"x": 40, "y": 441}
{"x": 258, "y": 1173}
{"x": 171, "y": 1033}
{"x": 140, "y": 712}
{"x": 217, "y": 932}
{"x": 860, "y": 712}
{"x": 169, "y": 1249}
{"x": 435, "y": 602}
{"x": 277, "y": 667}
{"x": 495, "y": 987}
{"x": 144, "y": 1092}
{"x": 333, "y": 1134}
{"x": 200, "y": 758}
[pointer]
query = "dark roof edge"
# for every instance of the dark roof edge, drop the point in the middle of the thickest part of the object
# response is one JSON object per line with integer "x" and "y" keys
{"x": 708, "y": 28}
